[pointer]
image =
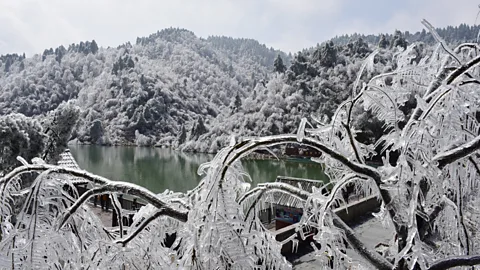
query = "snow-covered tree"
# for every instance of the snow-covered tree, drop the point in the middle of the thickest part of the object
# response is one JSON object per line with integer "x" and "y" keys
{"x": 278, "y": 65}
{"x": 59, "y": 125}
{"x": 20, "y": 136}
{"x": 428, "y": 184}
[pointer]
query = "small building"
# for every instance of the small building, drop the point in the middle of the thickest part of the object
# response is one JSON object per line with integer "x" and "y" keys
{"x": 294, "y": 150}
{"x": 67, "y": 160}
{"x": 129, "y": 204}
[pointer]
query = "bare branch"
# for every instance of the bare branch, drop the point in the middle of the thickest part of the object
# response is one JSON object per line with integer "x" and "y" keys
{"x": 470, "y": 81}
{"x": 455, "y": 261}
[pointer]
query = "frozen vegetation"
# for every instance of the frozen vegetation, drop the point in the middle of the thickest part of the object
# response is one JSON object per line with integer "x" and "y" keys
{"x": 426, "y": 99}
{"x": 173, "y": 88}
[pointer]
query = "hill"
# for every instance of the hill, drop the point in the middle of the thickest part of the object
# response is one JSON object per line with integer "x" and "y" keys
{"x": 174, "y": 88}
{"x": 137, "y": 93}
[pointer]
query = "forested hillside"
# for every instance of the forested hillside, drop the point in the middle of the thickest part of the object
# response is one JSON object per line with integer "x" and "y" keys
{"x": 451, "y": 34}
{"x": 173, "y": 88}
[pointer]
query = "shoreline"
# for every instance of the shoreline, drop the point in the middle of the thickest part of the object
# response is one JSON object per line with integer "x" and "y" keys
{"x": 251, "y": 156}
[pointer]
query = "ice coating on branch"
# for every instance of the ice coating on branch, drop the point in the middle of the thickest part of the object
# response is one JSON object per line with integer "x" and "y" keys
{"x": 301, "y": 130}
{"x": 232, "y": 141}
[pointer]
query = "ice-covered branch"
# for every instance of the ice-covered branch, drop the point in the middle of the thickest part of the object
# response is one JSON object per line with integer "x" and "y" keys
{"x": 117, "y": 206}
{"x": 89, "y": 193}
{"x": 250, "y": 145}
{"x": 433, "y": 86}
{"x": 352, "y": 142}
{"x": 293, "y": 191}
{"x": 432, "y": 216}
{"x": 57, "y": 169}
{"x": 108, "y": 185}
{"x": 160, "y": 212}
{"x": 462, "y": 46}
{"x": 455, "y": 261}
{"x": 254, "y": 203}
{"x": 475, "y": 165}
{"x": 275, "y": 186}
{"x": 126, "y": 188}
{"x": 249, "y": 194}
{"x": 372, "y": 256}
{"x": 440, "y": 40}
{"x": 456, "y": 153}
{"x": 462, "y": 69}
{"x": 245, "y": 147}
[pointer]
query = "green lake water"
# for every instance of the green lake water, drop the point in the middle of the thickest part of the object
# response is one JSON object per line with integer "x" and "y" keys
{"x": 158, "y": 168}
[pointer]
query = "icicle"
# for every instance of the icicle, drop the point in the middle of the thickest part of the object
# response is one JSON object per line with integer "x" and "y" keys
{"x": 232, "y": 141}
{"x": 290, "y": 238}
{"x": 301, "y": 130}
{"x": 22, "y": 160}
{"x": 294, "y": 245}
{"x": 202, "y": 169}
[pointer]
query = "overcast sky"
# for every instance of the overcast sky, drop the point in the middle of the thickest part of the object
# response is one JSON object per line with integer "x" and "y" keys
{"x": 30, "y": 26}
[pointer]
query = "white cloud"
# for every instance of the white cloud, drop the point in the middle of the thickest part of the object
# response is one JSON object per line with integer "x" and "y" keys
{"x": 291, "y": 42}
{"x": 308, "y": 7}
{"x": 34, "y": 27}
{"x": 439, "y": 13}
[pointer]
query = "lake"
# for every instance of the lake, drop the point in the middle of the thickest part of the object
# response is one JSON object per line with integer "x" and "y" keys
{"x": 159, "y": 168}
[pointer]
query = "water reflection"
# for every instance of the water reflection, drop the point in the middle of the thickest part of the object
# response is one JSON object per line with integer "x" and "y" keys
{"x": 159, "y": 169}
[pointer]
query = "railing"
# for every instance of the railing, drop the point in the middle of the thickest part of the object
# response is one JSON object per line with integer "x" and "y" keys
{"x": 349, "y": 213}
{"x": 129, "y": 203}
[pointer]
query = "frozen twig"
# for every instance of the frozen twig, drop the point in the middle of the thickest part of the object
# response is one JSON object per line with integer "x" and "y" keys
{"x": 371, "y": 256}
{"x": 455, "y": 261}
{"x": 456, "y": 153}
{"x": 245, "y": 147}
{"x": 160, "y": 212}
{"x": 107, "y": 185}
